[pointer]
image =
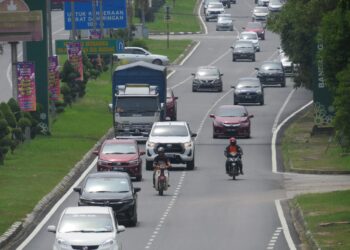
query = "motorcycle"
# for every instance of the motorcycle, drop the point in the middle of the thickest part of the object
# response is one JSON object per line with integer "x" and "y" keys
{"x": 234, "y": 162}
{"x": 161, "y": 179}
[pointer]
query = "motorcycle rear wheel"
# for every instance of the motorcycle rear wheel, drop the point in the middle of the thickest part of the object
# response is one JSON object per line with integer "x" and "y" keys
{"x": 160, "y": 192}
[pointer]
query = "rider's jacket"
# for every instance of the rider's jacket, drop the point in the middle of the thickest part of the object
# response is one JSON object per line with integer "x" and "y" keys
{"x": 233, "y": 150}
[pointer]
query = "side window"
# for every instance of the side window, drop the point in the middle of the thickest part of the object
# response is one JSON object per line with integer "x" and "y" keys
{"x": 139, "y": 52}
{"x": 127, "y": 51}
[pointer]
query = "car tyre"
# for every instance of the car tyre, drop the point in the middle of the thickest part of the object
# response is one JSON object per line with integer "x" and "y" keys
{"x": 194, "y": 89}
{"x": 283, "y": 84}
{"x": 139, "y": 178}
{"x": 149, "y": 165}
{"x": 190, "y": 164}
{"x": 235, "y": 102}
{"x": 262, "y": 101}
{"x": 157, "y": 62}
{"x": 233, "y": 59}
{"x": 253, "y": 59}
{"x": 133, "y": 220}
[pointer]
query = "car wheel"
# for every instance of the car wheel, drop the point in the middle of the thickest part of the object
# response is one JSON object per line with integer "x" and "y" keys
{"x": 190, "y": 164}
{"x": 253, "y": 58}
{"x": 283, "y": 84}
{"x": 263, "y": 38}
{"x": 233, "y": 59}
{"x": 235, "y": 103}
{"x": 149, "y": 165}
{"x": 194, "y": 89}
{"x": 215, "y": 136}
{"x": 157, "y": 62}
{"x": 229, "y": 6}
{"x": 133, "y": 220}
{"x": 262, "y": 101}
{"x": 139, "y": 178}
{"x": 220, "y": 89}
{"x": 206, "y": 19}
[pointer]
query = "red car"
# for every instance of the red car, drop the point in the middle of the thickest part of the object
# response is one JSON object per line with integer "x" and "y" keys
{"x": 257, "y": 27}
{"x": 231, "y": 120}
{"x": 171, "y": 105}
{"x": 120, "y": 155}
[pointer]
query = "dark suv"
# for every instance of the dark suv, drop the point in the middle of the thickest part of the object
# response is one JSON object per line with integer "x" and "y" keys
{"x": 271, "y": 73}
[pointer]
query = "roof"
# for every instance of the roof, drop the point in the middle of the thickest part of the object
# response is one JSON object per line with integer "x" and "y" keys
{"x": 120, "y": 141}
{"x": 87, "y": 210}
{"x": 141, "y": 64}
{"x": 170, "y": 123}
{"x": 108, "y": 174}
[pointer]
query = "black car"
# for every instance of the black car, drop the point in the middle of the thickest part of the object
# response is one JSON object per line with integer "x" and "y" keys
{"x": 271, "y": 73}
{"x": 207, "y": 78}
{"x": 113, "y": 189}
{"x": 248, "y": 90}
{"x": 243, "y": 49}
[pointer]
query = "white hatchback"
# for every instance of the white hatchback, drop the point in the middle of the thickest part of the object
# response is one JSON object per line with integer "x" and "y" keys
{"x": 84, "y": 227}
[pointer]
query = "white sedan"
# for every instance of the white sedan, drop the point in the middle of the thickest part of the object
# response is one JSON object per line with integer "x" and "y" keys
{"x": 134, "y": 54}
{"x": 250, "y": 36}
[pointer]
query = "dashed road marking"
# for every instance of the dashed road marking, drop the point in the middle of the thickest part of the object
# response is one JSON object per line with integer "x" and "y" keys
{"x": 272, "y": 242}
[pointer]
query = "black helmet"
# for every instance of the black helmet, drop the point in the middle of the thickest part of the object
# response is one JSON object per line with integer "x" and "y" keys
{"x": 160, "y": 150}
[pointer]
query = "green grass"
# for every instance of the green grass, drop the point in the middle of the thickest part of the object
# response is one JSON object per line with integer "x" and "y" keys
{"x": 39, "y": 165}
{"x": 183, "y": 18}
{"x": 333, "y": 208}
{"x": 320, "y": 152}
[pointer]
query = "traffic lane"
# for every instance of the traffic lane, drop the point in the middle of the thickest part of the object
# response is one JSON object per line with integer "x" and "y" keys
{"x": 216, "y": 211}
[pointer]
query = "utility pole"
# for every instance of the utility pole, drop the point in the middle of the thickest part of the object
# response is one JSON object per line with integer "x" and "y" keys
{"x": 48, "y": 27}
{"x": 14, "y": 69}
{"x": 167, "y": 18}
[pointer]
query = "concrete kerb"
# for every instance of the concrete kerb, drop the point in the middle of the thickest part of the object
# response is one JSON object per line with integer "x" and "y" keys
{"x": 21, "y": 229}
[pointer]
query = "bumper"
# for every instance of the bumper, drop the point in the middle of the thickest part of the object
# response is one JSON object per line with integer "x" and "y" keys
{"x": 132, "y": 170}
{"x": 224, "y": 27}
{"x": 272, "y": 80}
{"x": 173, "y": 157}
{"x": 243, "y": 56}
{"x": 248, "y": 98}
{"x": 231, "y": 131}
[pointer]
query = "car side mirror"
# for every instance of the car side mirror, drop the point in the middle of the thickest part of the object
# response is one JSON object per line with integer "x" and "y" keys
{"x": 137, "y": 189}
{"x": 176, "y": 97}
{"x": 120, "y": 228}
{"x": 193, "y": 134}
{"x": 51, "y": 229}
{"x": 221, "y": 74}
{"x": 96, "y": 152}
{"x": 193, "y": 74}
{"x": 77, "y": 189}
{"x": 250, "y": 116}
{"x": 142, "y": 152}
{"x": 256, "y": 68}
{"x": 233, "y": 87}
{"x": 212, "y": 116}
{"x": 243, "y": 28}
{"x": 232, "y": 47}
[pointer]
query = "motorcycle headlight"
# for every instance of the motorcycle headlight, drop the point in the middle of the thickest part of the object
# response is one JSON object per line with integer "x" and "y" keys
{"x": 108, "y": 243}
{"x": 188, "y": 144}
{"x": 63, "y": 244}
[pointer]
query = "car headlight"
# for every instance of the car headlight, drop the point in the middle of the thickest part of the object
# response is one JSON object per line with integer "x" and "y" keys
{"x": 188, "y": 144}
{"x": 63, "y": 244}
{"x": 102, "y": 162}
{"x": 119, "y": 125}
{"x": 151, "y": 144}
{"x": 196, "y": 81}
{"x": 258, "y": 92}
{"x": 246, "y": 123}
{"x": 108, "y": 243}
{"x": 134, "y": 161}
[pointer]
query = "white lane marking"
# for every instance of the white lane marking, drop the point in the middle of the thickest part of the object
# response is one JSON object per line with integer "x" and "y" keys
{"x": 272, "y": 242}
{"x": 200, "y": 17}
{"x": 55, "y": 207}
{"x": 190, "y": 53}
{"x": 275, "y": 123}
{"x": 274, "y": 137}
{"x": 284, "y": 224}
{"x": 165, "y": 214}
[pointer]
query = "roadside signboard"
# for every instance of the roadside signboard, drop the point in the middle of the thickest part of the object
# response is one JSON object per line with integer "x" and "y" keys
{"x": 114, "y": 14}
{"x": 104, "y": 46}
{"x": 75, "y": 57}
{"x": 54, "y": 79}
{"x": 26, "y": 86}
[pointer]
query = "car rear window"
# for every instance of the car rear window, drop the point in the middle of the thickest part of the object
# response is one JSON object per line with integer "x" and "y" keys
{"x": 228, "y": 112}
{"x": 106, "y": 185}
{"x": 119, "y": 148}
{"x": 86, "y": 223}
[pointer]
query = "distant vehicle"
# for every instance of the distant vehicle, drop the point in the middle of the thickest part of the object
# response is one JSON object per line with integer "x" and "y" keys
{"x": 275, "y": 5}
{"x": 257, "y": 27}
{"x": 251, "y": 36}
{"x": 260, "y": 14}
{"x": 207, "y": 78}
{"x": 224, "y": 22}
{"x": 271, "y": 73}
{"x": 226, "y": 3}
{"x": 231, "y": 120}
{"x": 243, "y": 49}
{"x": 206, "y": 2}
{"x": 120, "y": 155}
{"x": 87, "y": 228}
{"x": 248, "y": 90}
{"x": 114, "y": 190}
{"x": 134, "y": 54}
{"x": 288, "y": 65}
{"x": 171, "y": 105}
{"x": 263, "y": 2}
{"x": 57, "y": 5}
{"x": 213, "y": 10}
{"x": 177, "y": 140}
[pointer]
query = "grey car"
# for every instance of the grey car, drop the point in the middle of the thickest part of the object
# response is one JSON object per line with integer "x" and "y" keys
{"x": 260, "y": 13}
{"x": 243, "y": 49}
{"x": 248, "y": 90}
{"x": 207, "y": 78}
{"x": 224, "y": 22}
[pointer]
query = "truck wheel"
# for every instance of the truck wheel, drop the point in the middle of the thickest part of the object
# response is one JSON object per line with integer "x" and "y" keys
{"x": 190, "y": 164}
{"x": 149, "y": 165}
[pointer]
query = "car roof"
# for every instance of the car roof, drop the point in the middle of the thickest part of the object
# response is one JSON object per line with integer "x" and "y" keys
{"x": 248, "y": 79}
{"x": 87, "y": 210}
{"x": 109, "y": 174}
{"x": 120, "y": 141}
{"x": 171, "y": 123}
{"x": 226, "y": 106}
{"x": 207, "y": 67}
{"x": 249, "y": 32}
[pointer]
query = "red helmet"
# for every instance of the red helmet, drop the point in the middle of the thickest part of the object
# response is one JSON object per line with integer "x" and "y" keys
{"x": 233, "y": 141}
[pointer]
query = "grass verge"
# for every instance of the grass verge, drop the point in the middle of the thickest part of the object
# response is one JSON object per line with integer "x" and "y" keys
{"x": 38, "y": 166}
{"x": 327, "y": 215}
{"x": 183, "y": 18}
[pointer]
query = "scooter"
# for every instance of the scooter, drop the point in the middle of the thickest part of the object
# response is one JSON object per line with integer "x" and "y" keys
{"x": 161, "y": 179}
{"x": 233, "y": 166}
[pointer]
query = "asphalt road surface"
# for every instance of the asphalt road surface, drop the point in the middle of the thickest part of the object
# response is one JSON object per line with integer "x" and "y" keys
{"x": 204, "y": 208}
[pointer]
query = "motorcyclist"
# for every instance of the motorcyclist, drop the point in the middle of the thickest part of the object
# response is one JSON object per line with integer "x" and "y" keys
{"x": 161, "y": 158}
{"x": 232, "y": 150}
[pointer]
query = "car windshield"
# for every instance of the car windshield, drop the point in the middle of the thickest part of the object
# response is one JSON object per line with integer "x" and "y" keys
{"x": 137, "y": 104}
{"x": 249, "y": 36}
{"x": 243, "y": 45}
{"x": 247, "y": 85}
{"x": 224, "y": 18}
{"x": 106, "y": 185}
{"x": 215, "y": 5}
{"x": 261, "y": 10}
{"x": 271, "y": 66}
{"x": 123, "y": 148}
{"x": 176, "y": 130}
{"x": 207, "y": 72}
{"x": 229, "y": 112}
{"x": 86, "y": 223}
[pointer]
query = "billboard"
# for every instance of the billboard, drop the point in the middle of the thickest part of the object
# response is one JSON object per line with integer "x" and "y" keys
{"x": 26, "y": 86}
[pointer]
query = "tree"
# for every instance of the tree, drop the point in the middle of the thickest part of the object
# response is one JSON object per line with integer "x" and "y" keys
{"x": 5, "y": 138}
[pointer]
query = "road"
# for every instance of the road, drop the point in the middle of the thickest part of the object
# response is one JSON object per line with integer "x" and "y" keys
{"x": 204, "y": 208}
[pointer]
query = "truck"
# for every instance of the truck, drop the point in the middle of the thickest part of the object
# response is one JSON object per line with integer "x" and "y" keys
{"x": 138, "y": 99}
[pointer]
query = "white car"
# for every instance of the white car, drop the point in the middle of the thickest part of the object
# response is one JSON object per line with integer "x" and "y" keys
{"x": 177, "y": 140}
{"x": 134, "y": 54}
{"x": 260, "y": 14}
{"x": 275, "y": 5}
{"x": 213, "y": 10}
{"x": 87, "y": 227}
{"x": 251, "y": 36}
{"x": 288, "y": 65}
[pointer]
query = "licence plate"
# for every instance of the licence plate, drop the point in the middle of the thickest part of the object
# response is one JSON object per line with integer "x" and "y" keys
{"x": 270, "y": 79}
{"x": 171, "y": 155}
{"x": 118, "y": 169}
{"x": 231, "y": 130}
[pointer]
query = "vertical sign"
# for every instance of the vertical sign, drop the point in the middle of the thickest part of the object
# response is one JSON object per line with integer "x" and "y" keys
{"x": 54, "y": 79}
{"x": 75, "y": 57}
{"x": 26, "y": 86}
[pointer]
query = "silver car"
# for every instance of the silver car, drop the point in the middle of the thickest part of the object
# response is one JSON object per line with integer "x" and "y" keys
{"x": 260, "y": 13}
{"x": 134, "y": 54}
{"x": 251, "y": 36}
{"x": 89, "y": 227}
{"x": 213, "y": 10}
{"x": 224, "y": 22}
